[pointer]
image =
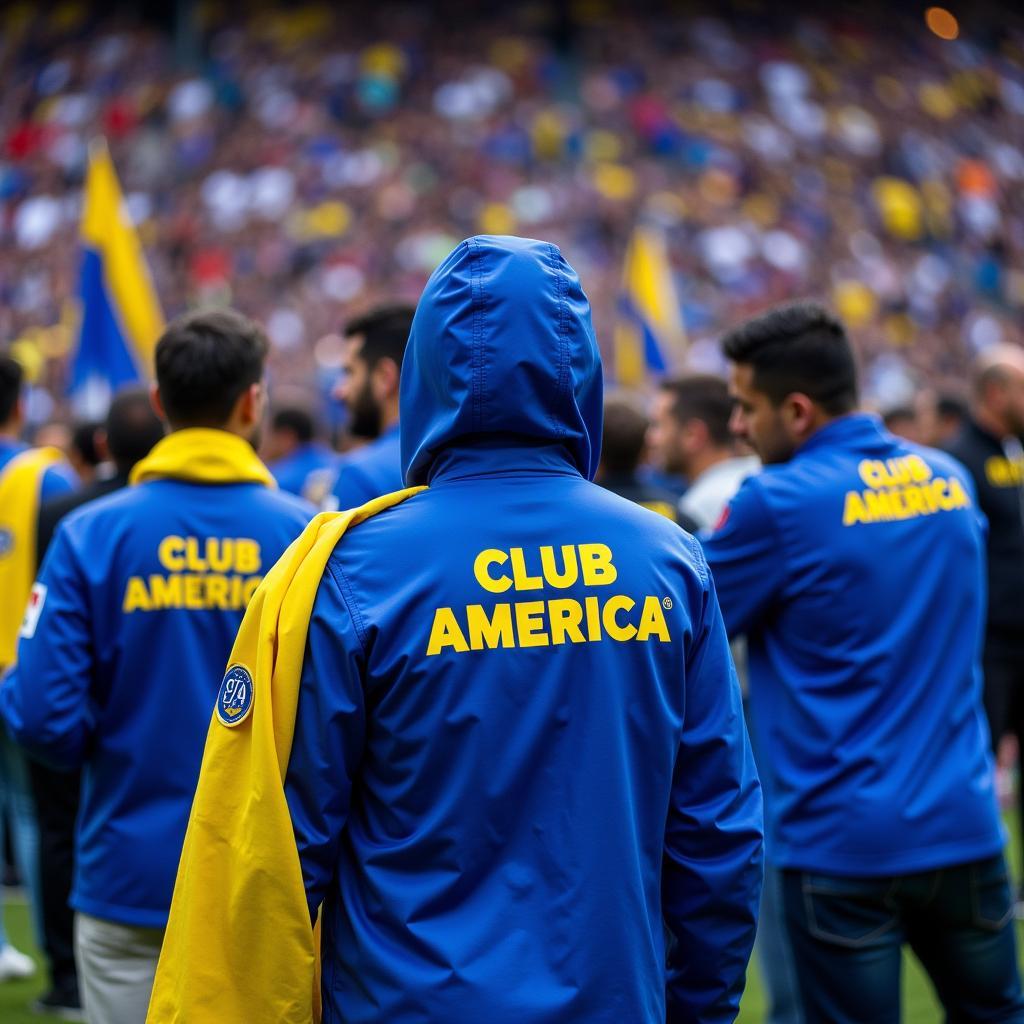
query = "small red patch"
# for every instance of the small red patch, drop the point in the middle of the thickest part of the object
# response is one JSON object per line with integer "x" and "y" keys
{"x": 722, "y": 520}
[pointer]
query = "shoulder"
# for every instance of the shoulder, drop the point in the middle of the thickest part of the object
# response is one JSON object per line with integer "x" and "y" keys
{"x": 288, "y": 506}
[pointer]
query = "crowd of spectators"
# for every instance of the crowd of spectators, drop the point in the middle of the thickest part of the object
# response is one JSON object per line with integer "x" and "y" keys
{"x": 305, "y": 163}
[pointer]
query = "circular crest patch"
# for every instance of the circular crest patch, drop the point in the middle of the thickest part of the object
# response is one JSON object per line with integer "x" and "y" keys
{"x": 234, "y": 699}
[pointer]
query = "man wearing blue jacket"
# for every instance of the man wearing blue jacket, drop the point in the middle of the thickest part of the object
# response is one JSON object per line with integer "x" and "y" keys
{"x": 374, "y": 349}
{"x": 129, "y": 623}
{"x": 854, "y": 564}
{"x": 520, "y": 785}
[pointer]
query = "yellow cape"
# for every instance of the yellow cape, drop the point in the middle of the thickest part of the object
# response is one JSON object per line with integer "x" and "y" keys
{"x": 20, "y": 484}
{"x": 239, "y": 948}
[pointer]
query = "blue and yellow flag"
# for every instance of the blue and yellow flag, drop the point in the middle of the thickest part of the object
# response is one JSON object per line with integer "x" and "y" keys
{"x": 649, "y": 333}
{"x": 121, "y": 317}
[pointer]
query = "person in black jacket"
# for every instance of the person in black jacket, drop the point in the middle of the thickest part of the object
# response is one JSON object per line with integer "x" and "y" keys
{"x": 989, "y": 445}
{"x": 131, "y": 429}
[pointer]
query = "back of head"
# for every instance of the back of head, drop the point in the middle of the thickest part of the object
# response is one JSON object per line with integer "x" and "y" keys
{"x": 132, "y": 428}
{"x": 999, "y": 389}
{"x": 800, "y": 347}
{"x": 625, "y": 433}
{"x": 296, "y": 420}
{"x": 204, "y": 362}
{"x": 704, "y": 397}
{"x": 11, "y": 379}
{"x": 385, "y": 333}
{"x": 502, "y": 346}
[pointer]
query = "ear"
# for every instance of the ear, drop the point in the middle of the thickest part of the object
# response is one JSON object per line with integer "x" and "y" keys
{"x": 155, "y": 401}
{"x": 694, "y": 435}
{"x": 250, "y": 405}
{"x": 800, "y": 412}
{"x": 384, "y": 378}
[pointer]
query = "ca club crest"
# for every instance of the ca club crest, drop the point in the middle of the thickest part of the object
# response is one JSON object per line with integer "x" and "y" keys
{"x": 234, "y": 699}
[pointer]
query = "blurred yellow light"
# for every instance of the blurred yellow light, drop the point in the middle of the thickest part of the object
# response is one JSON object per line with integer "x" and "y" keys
{"x": 942, "y": 23}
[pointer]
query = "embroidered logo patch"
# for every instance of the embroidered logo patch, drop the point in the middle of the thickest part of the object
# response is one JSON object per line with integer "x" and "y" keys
{"x": 34, "y": 608}
{"x": 6, "y": 541}
{"x": 234, "y": 699}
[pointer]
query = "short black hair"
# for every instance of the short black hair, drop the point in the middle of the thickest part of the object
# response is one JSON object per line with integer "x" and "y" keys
{"x": 12, "y": 376}
{"x": 385, "y": 332}
{"x": 296, "y": 419}
{"x": 132, "y": 427}
{"x": 704, "y": 397}
{"x": 204, "y": 362}
{"x": 83, "y": 441}
{"x": 798, "y": 347}
{"x": 625, "y": 430}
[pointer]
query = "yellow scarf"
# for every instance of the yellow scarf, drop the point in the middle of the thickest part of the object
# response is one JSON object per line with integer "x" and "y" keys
{"x": 204, "y": 457}
{"x": 20, "y": 484}
{"x": 239, "y": 947}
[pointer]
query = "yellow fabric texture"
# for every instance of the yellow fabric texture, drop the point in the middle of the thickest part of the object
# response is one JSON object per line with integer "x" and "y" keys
{"x": 239, "y": 947}
{"x": 203, "y": 456}
{"x": 20, "y": 485}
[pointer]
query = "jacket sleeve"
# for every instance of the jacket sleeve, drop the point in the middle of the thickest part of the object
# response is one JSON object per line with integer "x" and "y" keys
{"x": 46, "y": 701}
{"x": 328, "y": 743}
{"x": 713, "y": 861}
{"x": 745, "y": 555}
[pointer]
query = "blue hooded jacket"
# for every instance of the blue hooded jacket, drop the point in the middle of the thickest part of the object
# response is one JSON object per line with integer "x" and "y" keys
{"x": 142, "y": 594}
{"x": 856, "y": 571}
{"x": 520, "y": 782}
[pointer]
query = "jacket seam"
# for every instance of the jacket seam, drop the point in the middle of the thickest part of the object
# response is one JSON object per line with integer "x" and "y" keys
{"x": 479, "y": 369}
{"x": 348, "y": 597}
{"x": 563, "y": 344}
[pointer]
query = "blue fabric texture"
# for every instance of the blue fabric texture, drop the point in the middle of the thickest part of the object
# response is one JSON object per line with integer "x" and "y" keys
{"x": 856, "y": 571}
{"x": 292, "y": 472}
{"x": 520, "y": 783}
{"x": 145, "y": 590}
{"x": 370, "y": 471}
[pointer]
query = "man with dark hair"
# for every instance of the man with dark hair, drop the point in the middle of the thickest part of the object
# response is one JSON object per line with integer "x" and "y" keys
{"x": 854, "y": 565}
{"x": 690, "y": 437}
{"x": 137, "y": 603}
{"x": 293, "y": 450}
{"x": 28, "y": 476}
{"x": 622, "y": 448}
{"x": 130, "y": 431}
{"x": 990, "y": 446}
{"x": 375, "y": 346}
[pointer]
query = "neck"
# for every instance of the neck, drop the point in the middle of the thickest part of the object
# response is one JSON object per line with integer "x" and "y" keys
{"x": 991, "y": 422}
{"x": 389, "y": 416}
{"x": 703, "y": 461}
{"x": 10, "y": 432}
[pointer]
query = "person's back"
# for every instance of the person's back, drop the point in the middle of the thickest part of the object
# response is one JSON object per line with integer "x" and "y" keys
{"x": 876, "y": 612}
{"x": 518, "y": 751}
{"x": 854, "y": 564}
{"x": 130, "y": 622}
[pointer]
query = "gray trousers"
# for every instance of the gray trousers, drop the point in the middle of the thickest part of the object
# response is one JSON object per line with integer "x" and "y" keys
{"x": 116, "y": 965}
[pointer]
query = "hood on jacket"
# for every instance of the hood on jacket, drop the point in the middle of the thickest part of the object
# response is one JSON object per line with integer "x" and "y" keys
{"x": 501, "y": 344}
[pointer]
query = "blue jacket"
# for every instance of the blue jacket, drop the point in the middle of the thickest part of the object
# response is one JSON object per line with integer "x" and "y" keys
{"x": 519, "y": 749}
{"x": 856, "y": 571}
{"x": 57, "y": 480}
{"x": 292, "y": 472}
{"x": 369, "y": 472}
{"x": 145, "y": 590}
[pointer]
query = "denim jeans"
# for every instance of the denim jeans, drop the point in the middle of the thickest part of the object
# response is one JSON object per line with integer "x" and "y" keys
{"x": 17, "y": 808}
{"x": 848, "y": 933}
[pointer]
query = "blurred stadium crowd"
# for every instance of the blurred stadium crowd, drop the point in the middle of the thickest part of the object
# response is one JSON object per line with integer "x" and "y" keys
{"x": 298, "y": 163}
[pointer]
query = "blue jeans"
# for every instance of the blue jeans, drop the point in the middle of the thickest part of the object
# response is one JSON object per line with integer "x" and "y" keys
{"x": 847, "y": 936}
{"x": 16, "y": 807}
